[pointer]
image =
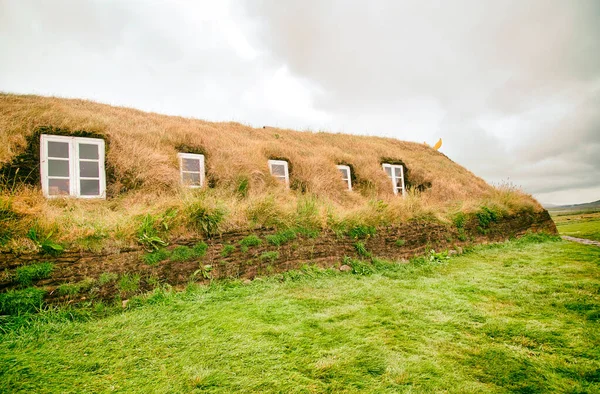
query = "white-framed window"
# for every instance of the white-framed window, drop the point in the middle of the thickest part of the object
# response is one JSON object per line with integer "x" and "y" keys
{"x": 191, "y": 167}
{"x": 345, "y": 171}
{"x": 72, "y": 166}
{"x": 396, "y": 173}
{"x": 279, "y": 169}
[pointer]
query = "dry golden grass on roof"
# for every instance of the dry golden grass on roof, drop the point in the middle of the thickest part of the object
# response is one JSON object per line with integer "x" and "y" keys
{"x": 144, "y": 175}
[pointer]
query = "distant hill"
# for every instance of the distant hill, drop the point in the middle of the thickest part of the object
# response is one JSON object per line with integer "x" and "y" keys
{"x": 574, "y": 207}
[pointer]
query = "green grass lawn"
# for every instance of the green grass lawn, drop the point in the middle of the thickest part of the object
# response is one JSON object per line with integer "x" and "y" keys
{"x": 523, "y": 316}
{"x": 581, "y": 225}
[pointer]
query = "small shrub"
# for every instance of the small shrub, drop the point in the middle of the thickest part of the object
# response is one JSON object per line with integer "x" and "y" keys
{"x": 400, "y": 242}
{"x": 129, "y": 283}
{"x": 250, "y": 241}
{"x": 362, "y": 231}
{"x": 270, "y": 256}
{"x": 459, "y": 220}
{"x": 205, "y": 219}
{"x": 440, "y": 257}
{"x": 227, "y": 250}
{"x": 486, "y": 216}
{"x": 107, "y": 277}
{"x": 281, "y": 237}
{"x": 27, "y": 274}
{"x": 462, "y": 235}
{"x": 17, "y": 302}
{"x": 156, "y": 256}
{"x": 359, "y": 267}
{"x": 361, "y": 249}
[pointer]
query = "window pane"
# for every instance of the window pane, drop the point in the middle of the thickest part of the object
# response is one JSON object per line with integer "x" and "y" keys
{"x": 190, "y": 165}
{"x": 58, "y": 149}
{"x": 58, "y": 187}
{"x": 88, "y": 151}
{"x": 58, "y": 167}
{"x": 388, "y": 171}
{"x": 89, "y": 169}
{"x": 398, "y": 171}
{"x": 191, "y": 178}
{"x": 278, "y": 169}
{"x": 345, "y": 174}
{"x": 89, "y": 187}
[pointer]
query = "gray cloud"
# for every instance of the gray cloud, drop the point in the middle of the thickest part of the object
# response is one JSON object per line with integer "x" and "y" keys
{"x": 518, "y": 82}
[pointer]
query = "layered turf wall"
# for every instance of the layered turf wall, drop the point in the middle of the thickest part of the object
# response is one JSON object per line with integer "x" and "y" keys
{"x": 248, "y": 255}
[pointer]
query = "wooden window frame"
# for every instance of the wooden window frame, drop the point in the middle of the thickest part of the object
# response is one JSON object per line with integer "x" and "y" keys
{"x": 74, "y": 168}
{"x": 349, "y": 180}
{"x": 394, "y": 178}
{"x": 286, "y": 176}
{"x": 193, "y": 156}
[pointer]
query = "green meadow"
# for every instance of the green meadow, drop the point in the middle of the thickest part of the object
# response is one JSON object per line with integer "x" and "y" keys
{"x": 578, "y": 224}
{"x": 522, "y": 316}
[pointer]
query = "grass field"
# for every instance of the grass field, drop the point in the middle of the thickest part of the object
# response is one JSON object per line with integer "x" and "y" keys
{"x": 523, "y": 316}
{"x": 578, "y": 224}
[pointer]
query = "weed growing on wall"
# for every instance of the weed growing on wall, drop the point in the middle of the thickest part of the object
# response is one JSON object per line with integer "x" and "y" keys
{"x": 359, "y": 267}
{"x": 204, "y": 219}
{"x": 400, "y": 242}
{"x": 459, "y": 222}
{"x": 27, "y": 274}
{"x": 155, "y": 257}
{"x": 362, "y": 231}
{"x": 361, "y": 249}
{"x": 485, "y": 217}
{"x": 251, "y": 240}
{"x": 44, "y": 242}
{"x": 70, "y": 289}
{"x": 107, "y": 277}
{"x": 227, "y": 250}
{"x": 270, "y": 256}
{"x": 281, "y": 237}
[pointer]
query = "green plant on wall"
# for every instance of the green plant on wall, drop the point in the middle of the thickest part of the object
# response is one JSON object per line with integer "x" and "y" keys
{"x": 206, "y": 220}
{"x": 251, "y": 240}
{"x": 270, "y": 256}
{"x": 227, "y": 250}
{"x": 281, "y": 237}
{"x": 361, "y": 249}
{"x": 27, "y": 274}
{"x": 148, "y": 232}
{"x": 45, "y": 242}
{"x": 361, "y": 232}
{"x": 203, "y": 272}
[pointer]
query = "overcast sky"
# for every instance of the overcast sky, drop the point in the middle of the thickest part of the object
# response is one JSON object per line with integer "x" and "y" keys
{"x": 512, "y": 87}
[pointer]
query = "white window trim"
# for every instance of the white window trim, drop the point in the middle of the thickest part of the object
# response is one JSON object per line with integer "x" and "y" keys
{"x": 287, "y": 172}
{"x": 74, "y": 173}
{"x": 195, "y": 156}
{"x": 349, "y": 180}
{"x": 393, "y": 178}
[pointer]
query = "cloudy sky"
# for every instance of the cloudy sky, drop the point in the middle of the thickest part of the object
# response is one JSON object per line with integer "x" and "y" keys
{"x": 512, "y": 87}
